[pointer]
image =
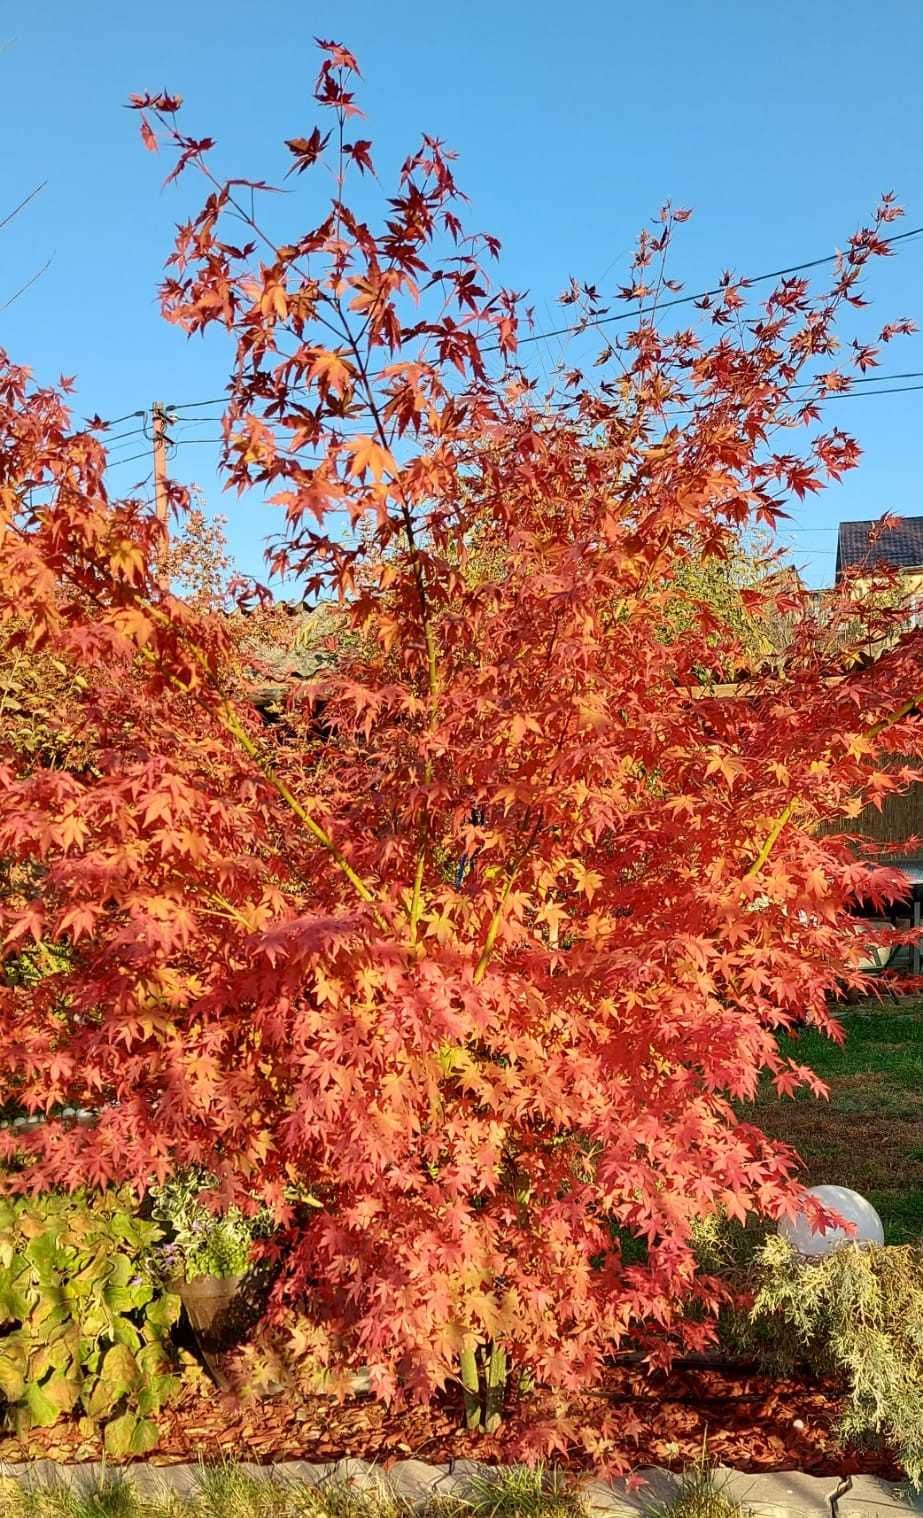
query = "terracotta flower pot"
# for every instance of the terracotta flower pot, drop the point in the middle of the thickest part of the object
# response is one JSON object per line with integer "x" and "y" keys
{"x": 211, "y": 1305}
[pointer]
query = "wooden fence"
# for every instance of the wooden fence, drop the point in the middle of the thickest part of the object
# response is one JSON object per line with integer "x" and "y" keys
{"x": 900, "y": 818}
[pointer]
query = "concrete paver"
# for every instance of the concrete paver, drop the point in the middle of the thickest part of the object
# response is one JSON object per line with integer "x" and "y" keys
{"x": 782, "y": 1494}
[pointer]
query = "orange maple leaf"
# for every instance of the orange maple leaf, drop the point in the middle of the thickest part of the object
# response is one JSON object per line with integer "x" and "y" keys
{"x": 366, "y": 454}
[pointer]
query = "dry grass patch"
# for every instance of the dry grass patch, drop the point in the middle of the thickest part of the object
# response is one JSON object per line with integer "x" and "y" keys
{"x": 702, "y": 1494}
{"x": 227, "y": 1492}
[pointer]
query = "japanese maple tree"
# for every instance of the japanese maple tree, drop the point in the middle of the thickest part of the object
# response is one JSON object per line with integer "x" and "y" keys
{"x": 482, "y": 948}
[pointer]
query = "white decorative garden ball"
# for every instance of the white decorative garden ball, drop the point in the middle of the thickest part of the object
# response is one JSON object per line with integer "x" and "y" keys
{"x": 850, "y": 1206}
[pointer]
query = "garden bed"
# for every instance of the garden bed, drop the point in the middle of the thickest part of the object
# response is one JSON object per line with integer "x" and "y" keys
{"x": 749, "y": 1421}
{"x": 869, "y": 1136}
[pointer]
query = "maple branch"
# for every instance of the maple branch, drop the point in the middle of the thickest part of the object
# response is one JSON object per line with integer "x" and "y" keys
{"x": 896, "y": 716}
{"x": 230, "y": 721}
{"x": 416, "y": 899}
{"x": 770, "y": 841}
{"x": 232, "y": 724}
{"x": 429, "y": 639}
{"x": 228, "y": 913}
{"x": 493, "y": 927}
{"x": 341, "y": 172}
{"x": 407, "y": 516}
{"x": 246, "y": 216}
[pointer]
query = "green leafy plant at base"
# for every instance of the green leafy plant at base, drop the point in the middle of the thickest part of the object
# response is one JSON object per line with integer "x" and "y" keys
{"x": 857, "y": 1313}
{"x": 83, "y": 1330}
{"x": 202, "y": 1242}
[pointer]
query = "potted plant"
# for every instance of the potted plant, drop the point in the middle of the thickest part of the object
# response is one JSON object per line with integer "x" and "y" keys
{"x": 205, "y": 1258}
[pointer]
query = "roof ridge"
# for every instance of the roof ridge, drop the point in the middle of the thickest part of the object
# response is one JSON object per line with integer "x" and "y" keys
{"x": 898, "y": 543}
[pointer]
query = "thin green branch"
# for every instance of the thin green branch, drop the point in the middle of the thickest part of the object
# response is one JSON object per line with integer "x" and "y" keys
{"x": 232, "y": 724}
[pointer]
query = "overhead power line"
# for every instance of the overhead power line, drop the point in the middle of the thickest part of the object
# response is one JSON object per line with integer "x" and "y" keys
{"x": 114, "y": 420}
{"x": 806, "y": 400}
{"x": 130, "y": 459}
{"x": 620, "y": 316}
{"x": 132, "y": 432}
{"x": 854, "y": 395}
{"x": 32, "y": 280}
{"x": 745, "y": 282}
{"x": 865, "y": 379}
{"x": 874, "y": 379}
{"x": 685, "y": 300}
{"x": 182, "y": 442}
{"x": 23, "y": 203}
{"x": 212, "y": 400}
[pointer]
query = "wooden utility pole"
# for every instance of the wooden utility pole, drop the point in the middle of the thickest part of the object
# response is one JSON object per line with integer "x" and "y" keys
{"x": 159, "y": 437}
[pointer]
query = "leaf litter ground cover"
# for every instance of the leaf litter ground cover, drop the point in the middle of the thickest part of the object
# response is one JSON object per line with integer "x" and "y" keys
{"x": 751, "y": 1422}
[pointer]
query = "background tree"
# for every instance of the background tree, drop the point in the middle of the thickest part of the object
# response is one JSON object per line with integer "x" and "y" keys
{"x": 750, "y": 626}
{"x": 195, "y": 561}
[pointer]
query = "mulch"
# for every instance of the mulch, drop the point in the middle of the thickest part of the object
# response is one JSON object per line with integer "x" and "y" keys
{"x": 752, "y": 1422}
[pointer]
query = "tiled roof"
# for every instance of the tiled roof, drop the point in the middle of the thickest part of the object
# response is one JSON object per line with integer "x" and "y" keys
{"x": 281, "y": 669}
{"x": 900, "y": 545}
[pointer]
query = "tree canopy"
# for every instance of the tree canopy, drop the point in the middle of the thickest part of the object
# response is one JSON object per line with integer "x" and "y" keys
{"x": 484, "y": 964}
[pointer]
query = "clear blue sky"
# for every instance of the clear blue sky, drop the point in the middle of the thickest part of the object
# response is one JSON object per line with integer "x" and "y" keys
{"x": 779, "y": 123}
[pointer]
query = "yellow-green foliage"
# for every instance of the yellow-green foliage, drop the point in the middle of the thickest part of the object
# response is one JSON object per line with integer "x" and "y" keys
{"x": 857, "y": 1312}
{"x": 711, "y": 591}
{"x": 40, "y": 705}
{"x": 83, "y": 1328}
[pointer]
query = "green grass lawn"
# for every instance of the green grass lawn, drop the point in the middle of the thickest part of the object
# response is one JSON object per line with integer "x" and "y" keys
{"x": 869, "y": 1135}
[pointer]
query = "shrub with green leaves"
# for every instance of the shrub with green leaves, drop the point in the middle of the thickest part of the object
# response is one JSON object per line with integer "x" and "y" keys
{"x": 201, "y": 1242}
{"x": 83, "y": 1329}
{"x": 857, "y": 1313}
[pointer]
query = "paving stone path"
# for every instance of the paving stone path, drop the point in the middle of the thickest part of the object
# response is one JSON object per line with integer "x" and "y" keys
{"x": 413, "y": 1482}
